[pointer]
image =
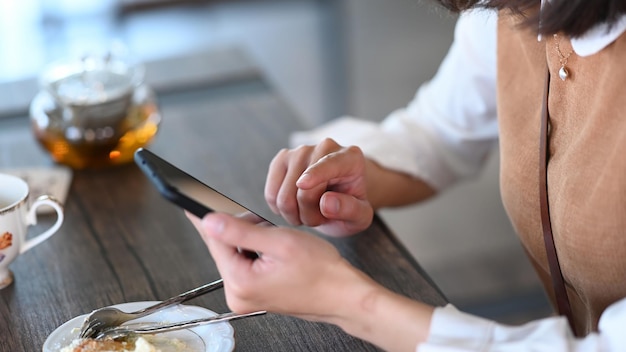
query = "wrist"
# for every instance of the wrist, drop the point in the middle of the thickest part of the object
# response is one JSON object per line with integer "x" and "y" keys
{"x": 400, "y": 188}
{"x": 371, "y": 312}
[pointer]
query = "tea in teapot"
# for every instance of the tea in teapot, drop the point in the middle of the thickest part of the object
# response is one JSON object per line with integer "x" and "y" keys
{"x": 94, "y": 112}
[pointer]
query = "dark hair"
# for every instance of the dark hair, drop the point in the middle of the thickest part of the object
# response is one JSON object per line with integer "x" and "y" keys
{"x": 572, "y": 17}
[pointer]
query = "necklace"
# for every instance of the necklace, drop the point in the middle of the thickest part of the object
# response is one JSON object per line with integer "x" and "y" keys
{"x": 563, "y": 71}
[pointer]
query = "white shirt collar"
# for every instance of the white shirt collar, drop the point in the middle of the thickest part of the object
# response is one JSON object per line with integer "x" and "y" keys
{"x": 595, "y": 39}
{"x": 598, "y": 37}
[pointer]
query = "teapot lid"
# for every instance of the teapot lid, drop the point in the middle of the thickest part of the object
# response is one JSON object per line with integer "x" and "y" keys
{"x": 92, "y": 79}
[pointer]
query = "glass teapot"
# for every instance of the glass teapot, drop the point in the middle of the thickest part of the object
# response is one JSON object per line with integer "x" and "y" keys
{"x": 94, "y": 112}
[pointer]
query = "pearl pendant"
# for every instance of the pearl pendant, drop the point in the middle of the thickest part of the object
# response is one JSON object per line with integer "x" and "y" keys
{"x": 563, "y": 73}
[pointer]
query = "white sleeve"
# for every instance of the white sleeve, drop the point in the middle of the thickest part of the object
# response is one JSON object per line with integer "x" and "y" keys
{"x": 446, "y": 132}
{"x": 454, "y": 331}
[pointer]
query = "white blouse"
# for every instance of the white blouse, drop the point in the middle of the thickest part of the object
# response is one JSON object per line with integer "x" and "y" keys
{"x": 447, "y": 130}
{"x": 454, "y": 331}
{"x": 445, "y": 134}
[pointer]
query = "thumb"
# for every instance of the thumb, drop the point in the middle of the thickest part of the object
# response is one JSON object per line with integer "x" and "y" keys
{"x": 356, "y": 213}
{"x": 236, "y": 232}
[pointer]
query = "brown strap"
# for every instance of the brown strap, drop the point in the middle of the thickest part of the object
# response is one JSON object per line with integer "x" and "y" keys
{"x": 558, "y": 282}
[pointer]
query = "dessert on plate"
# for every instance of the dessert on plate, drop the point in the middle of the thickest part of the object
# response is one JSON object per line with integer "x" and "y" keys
{"x": 140, "y": 344}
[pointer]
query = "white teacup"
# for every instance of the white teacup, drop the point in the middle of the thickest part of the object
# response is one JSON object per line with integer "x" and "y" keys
{"x": 15, "y": 217}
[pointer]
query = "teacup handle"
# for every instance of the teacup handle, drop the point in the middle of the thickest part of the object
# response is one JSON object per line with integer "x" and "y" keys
{"x": 31, "y": 219}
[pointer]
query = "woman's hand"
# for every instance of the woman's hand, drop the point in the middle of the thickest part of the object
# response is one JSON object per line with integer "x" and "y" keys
{"x": 302, "y": 275}
{"x": 296, "y": 273}
{"x": 322, "y": 186}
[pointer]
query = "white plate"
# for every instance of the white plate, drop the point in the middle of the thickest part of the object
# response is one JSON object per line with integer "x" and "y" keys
{"x": 208, "y": 338}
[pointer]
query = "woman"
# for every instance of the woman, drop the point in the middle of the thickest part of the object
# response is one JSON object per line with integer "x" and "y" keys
{"x": 496, "y": 67}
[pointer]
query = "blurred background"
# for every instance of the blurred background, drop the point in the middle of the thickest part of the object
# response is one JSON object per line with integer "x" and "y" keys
{"x": 327, "y": 58}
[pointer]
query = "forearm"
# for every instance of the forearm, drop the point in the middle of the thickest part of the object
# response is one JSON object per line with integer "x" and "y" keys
{"x": 384, "y": 318}
{"x": 388, "y": 188}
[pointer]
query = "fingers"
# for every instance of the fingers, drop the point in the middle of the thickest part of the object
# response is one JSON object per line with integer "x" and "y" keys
{"x": 309, "y": 205}
{"x": 234, "y": 267}
{"x": 322, "y": 186}
{"x": 231, "y": 256}
{"x": 297, "y": 274}
{"x": 341, "y": 169}
{"x": 287, "y": 201}
{"x": 337, "y": 182}
{"x": 237, "y": 233}
{"x": 281, "y": 192}
{"x": 280, "y": 187}
{"x": 339, "y": 206}
{"x": 346, "y": 214}
{"x": 275, "y": 178}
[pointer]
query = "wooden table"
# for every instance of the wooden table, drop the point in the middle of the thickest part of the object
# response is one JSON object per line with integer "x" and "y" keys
{"x": 122, "y": 242}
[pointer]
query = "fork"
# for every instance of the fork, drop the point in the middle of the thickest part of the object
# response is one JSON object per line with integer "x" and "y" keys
{"x": 108, "y": 317}
{"x": 127, "y": 331}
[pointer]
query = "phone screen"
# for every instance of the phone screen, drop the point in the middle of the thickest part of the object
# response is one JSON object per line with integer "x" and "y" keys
{"x": 202, "y": 193}
{"x": 186, "y": 191}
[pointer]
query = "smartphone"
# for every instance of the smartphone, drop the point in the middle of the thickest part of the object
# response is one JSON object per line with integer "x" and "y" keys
{"x": 188, "y": 192}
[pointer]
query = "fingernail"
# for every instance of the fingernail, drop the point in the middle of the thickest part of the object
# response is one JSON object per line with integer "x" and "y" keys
{"x": 332, "y": 205}
{"x": 214, "y": 224}
{"x": 303, "y": 178}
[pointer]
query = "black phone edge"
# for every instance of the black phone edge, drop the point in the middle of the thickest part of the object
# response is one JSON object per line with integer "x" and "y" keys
{"x": 169, "y": 192}
{"x": 141, "y": 157}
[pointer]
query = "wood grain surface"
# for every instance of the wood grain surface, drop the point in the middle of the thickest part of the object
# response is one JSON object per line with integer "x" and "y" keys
{"x": 122, "y": 242}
